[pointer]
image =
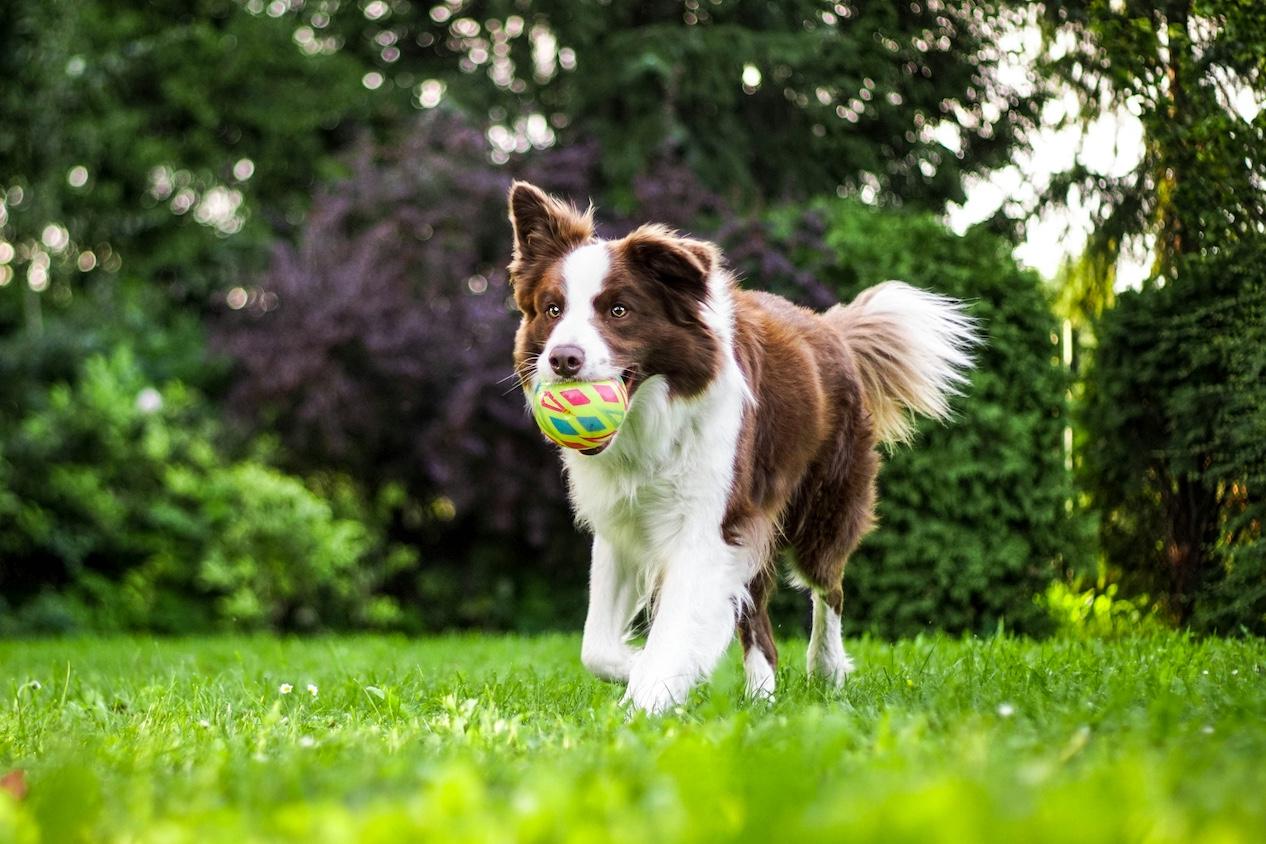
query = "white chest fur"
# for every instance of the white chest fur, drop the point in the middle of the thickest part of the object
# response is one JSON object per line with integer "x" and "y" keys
{"x": 665, "y": 481}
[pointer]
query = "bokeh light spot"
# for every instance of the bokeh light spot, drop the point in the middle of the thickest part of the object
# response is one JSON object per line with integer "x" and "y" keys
{"x": 430, "y": 93}
{"x": 149, "y": 401}
{"x": 55, "y": 237}
{"x": 751, "y": 77}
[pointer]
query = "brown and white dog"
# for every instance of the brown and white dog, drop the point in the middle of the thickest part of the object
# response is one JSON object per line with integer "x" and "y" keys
{"x": 753, "y": 425}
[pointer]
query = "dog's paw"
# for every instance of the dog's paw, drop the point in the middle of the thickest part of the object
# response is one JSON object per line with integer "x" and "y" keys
{"x": 759, "y": 676}
{"x": 832, "y": 667}
{"x": 654, "y": 691}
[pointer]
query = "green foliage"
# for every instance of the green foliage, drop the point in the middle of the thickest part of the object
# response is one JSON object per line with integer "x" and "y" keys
{"x": 148, "y": 153}
{"x": 973, "y": 517}
{"x": 1172, "y": 452}
{"x": 198, "y": 127}
{"x": 1174, "y": 456}
{"x": 119, "y": 494}
{"x": 765, "y": 100}
{"x": 1191, "y": 71}
{"x": 1097, "y": 612}
{"x": 478, "y": 738}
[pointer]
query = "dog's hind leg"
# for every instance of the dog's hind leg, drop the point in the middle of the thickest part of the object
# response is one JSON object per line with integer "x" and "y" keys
{"x": 760, "y": 656}
{"x": 833, "y": 510}
{"x": 826, "y": 657}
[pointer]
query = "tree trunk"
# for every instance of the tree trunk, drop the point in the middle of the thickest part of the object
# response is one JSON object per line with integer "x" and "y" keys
{"x": 1175, "y": 153}
{"x": 1191, "y": 511}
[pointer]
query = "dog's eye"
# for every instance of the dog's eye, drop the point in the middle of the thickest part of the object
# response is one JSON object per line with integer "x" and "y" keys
{"x": 619, "y": 311}
{"x": 553, "y": 311}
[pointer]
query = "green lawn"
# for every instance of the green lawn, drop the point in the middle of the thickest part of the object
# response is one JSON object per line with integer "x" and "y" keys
{"x": 499, "y": 738}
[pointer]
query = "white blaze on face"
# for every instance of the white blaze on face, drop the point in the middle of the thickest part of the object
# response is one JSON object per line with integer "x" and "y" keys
{"x": 584, "y": 271}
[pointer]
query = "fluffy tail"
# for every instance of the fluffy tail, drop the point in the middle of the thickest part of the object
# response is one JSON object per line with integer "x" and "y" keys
{"x": 912, "y": 350}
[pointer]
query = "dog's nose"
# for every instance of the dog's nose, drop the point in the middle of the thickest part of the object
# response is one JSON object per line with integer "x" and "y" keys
{"x": 567, "y": 360}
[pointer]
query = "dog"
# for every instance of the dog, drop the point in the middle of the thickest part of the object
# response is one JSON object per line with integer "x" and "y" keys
{"x": 753, "y": 424}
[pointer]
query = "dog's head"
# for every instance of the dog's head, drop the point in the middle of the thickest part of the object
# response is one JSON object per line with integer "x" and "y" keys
{"x": 593, "y": 309}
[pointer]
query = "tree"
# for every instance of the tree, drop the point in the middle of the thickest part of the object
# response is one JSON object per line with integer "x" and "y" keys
{"x": 157, "y": 142}
{"x": 1194, "y": 73}
{"x": 1176, "y": 470}
{"x": 763, "y": 100}
{"x": 1170, "y": 498}
{"x": 147, "y": 154}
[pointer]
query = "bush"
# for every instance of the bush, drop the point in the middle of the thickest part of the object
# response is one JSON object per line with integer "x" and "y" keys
{"x": 1096, "y": 612}
{"x": 973, "y": 517}
{"x": 120, "y": 497}
{"x": 1174, "y": 451}
{"x": 380, "y": 344}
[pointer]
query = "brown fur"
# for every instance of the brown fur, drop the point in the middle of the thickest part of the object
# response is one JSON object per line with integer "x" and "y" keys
{"x": 900, "y": 375}
{"x": 807, "y": 457}
{"x": 664, "y": 284}
{"x": 754, "y": 628}
{"x": 661, "y": 279}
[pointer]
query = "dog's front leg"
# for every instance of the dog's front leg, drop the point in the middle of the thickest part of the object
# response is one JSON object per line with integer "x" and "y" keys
{"x": 693, "y": 623}
{"x": 614, "y": 598}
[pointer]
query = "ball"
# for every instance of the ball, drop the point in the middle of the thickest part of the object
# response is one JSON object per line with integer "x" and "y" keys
{"x": 580, "y": 414}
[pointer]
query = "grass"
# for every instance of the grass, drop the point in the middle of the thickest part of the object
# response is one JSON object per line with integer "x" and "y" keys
{"x": 486, "y": 738}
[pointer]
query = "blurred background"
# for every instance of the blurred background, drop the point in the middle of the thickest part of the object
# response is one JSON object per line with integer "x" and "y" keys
{"x": 255, "y": 328}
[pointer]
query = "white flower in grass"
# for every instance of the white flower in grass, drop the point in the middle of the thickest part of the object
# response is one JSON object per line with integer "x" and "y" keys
{"x": 312, "y": 689}
{"x": 204, "y": 724}
{"x": 285, "y": 688}
{"x": 307, "y": 741}
{"x": 1006, "y": 710}
{"x": 1207, "y": 729}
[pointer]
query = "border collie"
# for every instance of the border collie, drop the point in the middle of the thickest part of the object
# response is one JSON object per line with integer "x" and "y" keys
{"x": 753, "y": 425}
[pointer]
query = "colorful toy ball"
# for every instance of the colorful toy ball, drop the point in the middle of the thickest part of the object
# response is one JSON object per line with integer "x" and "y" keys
{"x": 580, "y": 414}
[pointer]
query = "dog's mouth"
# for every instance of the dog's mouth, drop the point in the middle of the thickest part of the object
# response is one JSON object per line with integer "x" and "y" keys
{"x": 632, "y": 380}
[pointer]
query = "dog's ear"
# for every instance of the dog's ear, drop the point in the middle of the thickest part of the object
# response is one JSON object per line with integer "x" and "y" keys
{"x": 544, "y": 227}
{"x": 679, "y": 264}
{"x": 707, "y": 254}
